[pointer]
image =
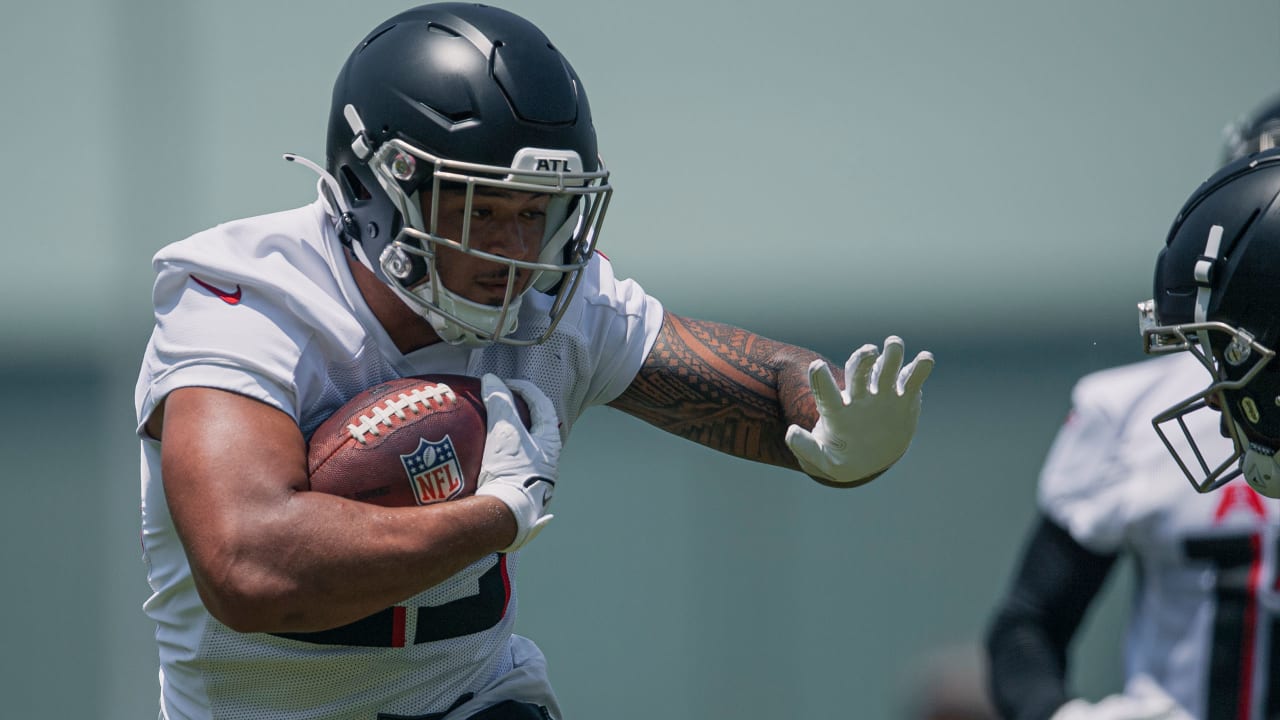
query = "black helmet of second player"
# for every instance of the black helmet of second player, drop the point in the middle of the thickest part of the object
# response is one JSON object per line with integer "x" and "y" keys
{"x": 1215, "y": 296}
{"x": 461, "y": 96}
{"x": 1257, "y": 131}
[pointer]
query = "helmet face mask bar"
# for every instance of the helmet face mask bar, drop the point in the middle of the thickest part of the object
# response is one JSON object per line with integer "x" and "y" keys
{"x": 1196, "y": 338}
{"x": 409, "y": 260}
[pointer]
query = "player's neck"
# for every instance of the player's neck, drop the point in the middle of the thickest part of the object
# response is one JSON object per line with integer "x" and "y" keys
{"x": 406, "y": 328}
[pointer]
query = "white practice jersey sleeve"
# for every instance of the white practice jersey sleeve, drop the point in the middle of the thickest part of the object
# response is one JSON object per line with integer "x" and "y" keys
{"x": 1204, "y": 617}
{"x": 266, "y": 307}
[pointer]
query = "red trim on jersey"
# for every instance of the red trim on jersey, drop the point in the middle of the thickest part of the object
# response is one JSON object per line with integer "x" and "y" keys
{"x": 397, "y": 626}
{"x": 1248, "y": 649}
{"x": 506, "y": 584}
{"x": 1238, "y": 495}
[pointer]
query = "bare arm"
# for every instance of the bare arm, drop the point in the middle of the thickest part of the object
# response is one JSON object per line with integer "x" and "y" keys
{"x": 268, "y": 555}
{"x": 724, "y": 387}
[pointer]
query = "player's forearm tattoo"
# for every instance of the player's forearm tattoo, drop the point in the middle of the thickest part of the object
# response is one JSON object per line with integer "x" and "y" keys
{"x": 725, "y": 388}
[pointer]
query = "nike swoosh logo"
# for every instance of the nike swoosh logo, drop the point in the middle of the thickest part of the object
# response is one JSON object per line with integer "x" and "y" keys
{"x": 230, "y": 298}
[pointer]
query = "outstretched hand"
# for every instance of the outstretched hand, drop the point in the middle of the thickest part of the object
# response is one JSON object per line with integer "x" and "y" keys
{"x": 863, "y": 429}
{"x": 519, "y": 466}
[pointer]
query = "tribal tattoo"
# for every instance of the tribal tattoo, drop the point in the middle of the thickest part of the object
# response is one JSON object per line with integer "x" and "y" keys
{"x": 723, "y": 387}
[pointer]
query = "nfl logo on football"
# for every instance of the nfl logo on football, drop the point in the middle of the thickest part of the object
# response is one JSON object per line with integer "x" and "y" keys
{"x": 434, "y": 472}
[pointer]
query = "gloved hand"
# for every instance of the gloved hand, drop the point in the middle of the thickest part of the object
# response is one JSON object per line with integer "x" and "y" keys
{"x": 865, "y": 428}
{"x": 519, "y": 466}
{"x": 1142, "y": 699}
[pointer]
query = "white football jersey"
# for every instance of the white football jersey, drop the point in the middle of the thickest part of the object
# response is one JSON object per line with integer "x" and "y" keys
{"x": 1204, "y": 621}
{"x": 266, "y": 307}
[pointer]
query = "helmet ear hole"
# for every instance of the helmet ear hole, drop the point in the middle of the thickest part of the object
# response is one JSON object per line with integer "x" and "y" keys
{"x": 352, "y": 185}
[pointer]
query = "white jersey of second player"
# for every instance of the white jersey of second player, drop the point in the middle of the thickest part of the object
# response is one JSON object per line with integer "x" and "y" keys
{"x": 1204, "y": 623}
{"x": 267, "y": 307}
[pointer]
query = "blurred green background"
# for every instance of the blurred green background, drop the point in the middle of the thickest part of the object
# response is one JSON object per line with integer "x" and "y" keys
{"x": 989, "y": 179}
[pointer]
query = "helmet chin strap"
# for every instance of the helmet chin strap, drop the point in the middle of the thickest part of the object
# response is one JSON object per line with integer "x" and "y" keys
{"x": 1261, "y": 470}
{"x": 474, "y": 314}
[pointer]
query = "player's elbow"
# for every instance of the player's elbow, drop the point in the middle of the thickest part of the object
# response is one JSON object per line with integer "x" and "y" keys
{"x": 251, "y": 611}
{"x": 1012, "y": 627}
{"x": 243, "y": 617}
{"x": 247, "y": 598}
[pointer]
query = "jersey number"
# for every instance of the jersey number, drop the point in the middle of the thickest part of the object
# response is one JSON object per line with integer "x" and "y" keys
{"x": 456, "y": 618}
{"x": 1233, "y": 648}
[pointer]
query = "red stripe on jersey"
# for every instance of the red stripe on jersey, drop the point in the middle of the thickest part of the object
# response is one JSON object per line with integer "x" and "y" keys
{"x": 397, "y": 626}
{"x": 506, "y": 584}
{"x": 1236, "y": 495}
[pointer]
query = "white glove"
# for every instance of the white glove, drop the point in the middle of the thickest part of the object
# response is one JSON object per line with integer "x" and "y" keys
{"x": 1143, "y": 699}
{"x": 519, "y": 466}
{"x": 865, "y": 428}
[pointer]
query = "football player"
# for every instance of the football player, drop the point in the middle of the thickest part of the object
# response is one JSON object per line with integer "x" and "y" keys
{"x": 455, "y": 231}
{"x": 1203, "y": 639}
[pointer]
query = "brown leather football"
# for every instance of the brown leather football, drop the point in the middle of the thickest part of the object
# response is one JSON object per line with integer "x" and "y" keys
{"x": 410, "y": 441}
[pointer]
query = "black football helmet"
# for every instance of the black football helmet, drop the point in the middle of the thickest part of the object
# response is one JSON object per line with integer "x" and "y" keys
{"x": 458, "y": 96}
{"x": 1216, "y": 296}
{"x": 1257, "y": 131}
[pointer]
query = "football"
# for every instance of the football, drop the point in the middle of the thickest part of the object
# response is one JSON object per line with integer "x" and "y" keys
{"x": 410, "y": 441}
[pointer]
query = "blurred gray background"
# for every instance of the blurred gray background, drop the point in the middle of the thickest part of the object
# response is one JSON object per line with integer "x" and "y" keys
{"x": 989, "y": 179}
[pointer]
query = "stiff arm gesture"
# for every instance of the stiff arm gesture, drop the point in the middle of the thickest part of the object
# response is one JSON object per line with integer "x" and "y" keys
{"x": 741, "y": 393}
